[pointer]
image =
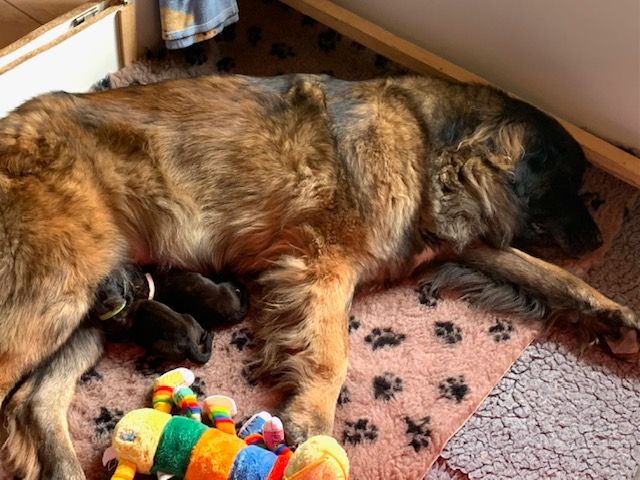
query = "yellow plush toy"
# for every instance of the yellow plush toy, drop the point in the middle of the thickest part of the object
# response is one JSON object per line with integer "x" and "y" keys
{"x": 152, "y": 441}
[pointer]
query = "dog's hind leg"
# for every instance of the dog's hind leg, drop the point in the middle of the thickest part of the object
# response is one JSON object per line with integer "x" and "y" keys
{"x": 511, "y": 280}
{"x": 35, "y": 326}
{"x": 37, "y": 444}
{"x": 302, "y": 336}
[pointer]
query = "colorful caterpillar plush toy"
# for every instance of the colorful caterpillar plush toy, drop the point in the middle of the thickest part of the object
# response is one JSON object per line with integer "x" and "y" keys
{"x": 152, "y": 441}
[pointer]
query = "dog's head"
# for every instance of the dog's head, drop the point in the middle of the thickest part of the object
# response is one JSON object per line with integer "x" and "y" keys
{"x": 547, "y": 174}
{"x": 541, "y": 166}
{"x": 169, "y": 334}
{"x": 547, "y": 180}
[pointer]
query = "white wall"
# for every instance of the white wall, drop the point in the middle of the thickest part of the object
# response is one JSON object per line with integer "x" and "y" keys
{"x": 73, "y": 65}
{"x": 76, "y": 63}
{"x": 579, "y": 59}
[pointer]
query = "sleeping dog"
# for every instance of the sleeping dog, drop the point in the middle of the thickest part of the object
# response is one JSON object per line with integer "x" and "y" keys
{"x": 314, "y": 185}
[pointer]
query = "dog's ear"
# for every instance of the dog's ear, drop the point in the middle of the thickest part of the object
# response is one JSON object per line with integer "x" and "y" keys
{"x": 551, "y": 161}
{"x": 536, "y": 152}
{"x": 502, "y": 139}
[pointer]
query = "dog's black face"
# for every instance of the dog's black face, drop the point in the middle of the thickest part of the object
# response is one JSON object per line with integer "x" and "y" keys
{"x": 547, "y": 181}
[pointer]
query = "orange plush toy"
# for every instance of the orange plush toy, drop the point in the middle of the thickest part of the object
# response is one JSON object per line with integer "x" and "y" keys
{"x": 152, "y": 441}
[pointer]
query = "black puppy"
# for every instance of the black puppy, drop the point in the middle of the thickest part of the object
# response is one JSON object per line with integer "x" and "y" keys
{"x": 168, "y": 312}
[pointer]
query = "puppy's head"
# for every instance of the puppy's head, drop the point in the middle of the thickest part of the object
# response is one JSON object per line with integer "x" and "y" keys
{"x": 169, "y": 334}
{"x": 547, "y": 182}
{"x": 113, "y": 300}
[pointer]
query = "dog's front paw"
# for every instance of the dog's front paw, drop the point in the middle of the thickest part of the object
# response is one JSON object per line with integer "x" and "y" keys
{"x": 616, "y": 317}
{"x": 628, "y": 317}
{"x": 295, "y": 434}
{"x": 303, "y": 421}
{"x": 610, "y": 324}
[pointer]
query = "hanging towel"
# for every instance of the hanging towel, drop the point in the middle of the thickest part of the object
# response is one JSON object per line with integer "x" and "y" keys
{"x": 185, "y": 22}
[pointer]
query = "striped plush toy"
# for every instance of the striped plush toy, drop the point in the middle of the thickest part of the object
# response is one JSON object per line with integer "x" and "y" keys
{"x": 152, "y": 441}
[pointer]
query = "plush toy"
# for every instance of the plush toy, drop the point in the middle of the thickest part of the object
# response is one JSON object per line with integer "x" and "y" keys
{"x": 168, "y": 312}
{"x": 152, "y": 441}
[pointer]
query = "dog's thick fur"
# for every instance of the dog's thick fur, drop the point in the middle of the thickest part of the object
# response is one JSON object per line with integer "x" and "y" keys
{"x": 318, "y": 185}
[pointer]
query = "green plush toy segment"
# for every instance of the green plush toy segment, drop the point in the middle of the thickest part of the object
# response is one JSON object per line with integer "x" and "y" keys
{"x": 178, "y": 439}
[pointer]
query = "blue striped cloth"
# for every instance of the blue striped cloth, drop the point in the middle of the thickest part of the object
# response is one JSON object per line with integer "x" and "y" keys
{"x": 185, "y": 22}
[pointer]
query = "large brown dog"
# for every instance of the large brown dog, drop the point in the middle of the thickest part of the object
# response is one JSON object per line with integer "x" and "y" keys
{"x": 317, "y": 184}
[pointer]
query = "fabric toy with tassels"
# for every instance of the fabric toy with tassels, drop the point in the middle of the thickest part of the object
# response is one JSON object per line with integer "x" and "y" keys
{"x": 152, "y": 441}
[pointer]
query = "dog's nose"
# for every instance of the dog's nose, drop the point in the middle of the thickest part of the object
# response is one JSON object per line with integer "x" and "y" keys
{"x": 585, "y": 243}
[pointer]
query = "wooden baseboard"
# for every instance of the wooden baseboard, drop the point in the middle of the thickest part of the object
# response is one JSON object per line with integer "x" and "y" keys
{"x": 599, "y": 152}
{"x": 128, "y": 40}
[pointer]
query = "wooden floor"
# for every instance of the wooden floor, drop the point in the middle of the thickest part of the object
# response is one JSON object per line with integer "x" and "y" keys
{"x": 19, "y": 17}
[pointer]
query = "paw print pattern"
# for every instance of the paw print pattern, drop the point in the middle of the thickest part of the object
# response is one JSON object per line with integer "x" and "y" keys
{"x": 501, "y": 330}
{"x": 195, "y": 55}
{"x": 454, "y": 388}
{"x": 199, "y": 387}
{"x": 89, "y": 376}
{"x": 386, "y": 386}
{"x": 596, "y": 203}
{"x": 418, "y": 432}
{"x": 592, "y": 199}
{"x": 359, "y": 431}
{"x": 385, "y": 337}
{"x": 242, "y": 339}
{"x": 249, "y": 376}
{"x": 225, "y": 64}
{"x": 254, "y": 35}
{"x": 328, "y": 40}
{"x": 447, "y": 332}
{"x": 228, "y": 34}
{"x": 345, "y": 396}
{"x": 106, "y": 421}
{"x": 354, "y": 324}
{"x": 104, "y": 84}
{"x": 282, "y": 50}
{"x": 427, "y": 296}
